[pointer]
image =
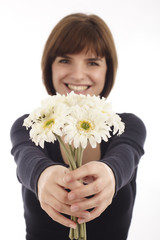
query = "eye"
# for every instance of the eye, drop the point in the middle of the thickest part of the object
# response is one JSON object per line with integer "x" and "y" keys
{"x": 64, "y": 60}
{"x": 93, "y": 64}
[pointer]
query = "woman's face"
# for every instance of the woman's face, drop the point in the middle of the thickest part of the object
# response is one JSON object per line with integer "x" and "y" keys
{"x": 83, "y": 73}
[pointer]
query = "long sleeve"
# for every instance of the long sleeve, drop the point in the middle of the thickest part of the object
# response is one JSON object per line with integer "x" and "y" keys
{"x": 121, "y": 153}
{"x": 124, "y": 152}
{"x": 30, "y": 159}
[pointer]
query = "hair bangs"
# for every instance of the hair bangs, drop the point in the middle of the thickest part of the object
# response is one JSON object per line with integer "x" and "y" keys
{"x": 80, "y": 37}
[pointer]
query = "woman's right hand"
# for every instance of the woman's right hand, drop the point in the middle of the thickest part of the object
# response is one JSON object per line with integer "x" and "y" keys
{"x": 53, "y": 195}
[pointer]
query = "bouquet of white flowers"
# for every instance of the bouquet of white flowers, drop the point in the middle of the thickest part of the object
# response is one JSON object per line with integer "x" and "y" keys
{"x": 74, "y": 120}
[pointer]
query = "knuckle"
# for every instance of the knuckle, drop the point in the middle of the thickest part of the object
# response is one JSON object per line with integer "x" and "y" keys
{"x": 98, "y": 201}
{"x": 109, "y": 201}
{"x": 43, "y": 205}
{"x": 59, "y": 207}
{"x": 64, "y": 197}
{"x": 43, "y": 199}
{"x": 52, "y": 215}
{"x": 49, "y": 210}
{"x": 96, "y": 187}
{"x": 88, "y": 168}
{"x": 98, "y": 213}
{"x": 93, "y": 168}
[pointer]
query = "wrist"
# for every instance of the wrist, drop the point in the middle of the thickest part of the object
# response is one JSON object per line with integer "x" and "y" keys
{"x": 111, "y": 176}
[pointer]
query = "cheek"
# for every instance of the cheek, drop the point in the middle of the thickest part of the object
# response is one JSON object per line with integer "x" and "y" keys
{"x": 103, "y": 76}
{"x": 58, "y": 73}
{"x": 100, "y": 78}
{"x": 55, "y": 75}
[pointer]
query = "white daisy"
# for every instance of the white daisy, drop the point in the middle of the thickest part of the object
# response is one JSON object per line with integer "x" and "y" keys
{"x": 46, "y": 130}
{"x": 80, "y": 118}
{"x": 83, "y": 126}
{"x": 115, "y": 121}
{"x": 46, "y": 122}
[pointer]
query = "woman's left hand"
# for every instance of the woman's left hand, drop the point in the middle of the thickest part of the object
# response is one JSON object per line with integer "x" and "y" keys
{"x": 100, "y": 185}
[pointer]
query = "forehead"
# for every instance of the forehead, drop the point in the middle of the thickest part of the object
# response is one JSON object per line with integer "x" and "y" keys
{"x": 83, "y": 53}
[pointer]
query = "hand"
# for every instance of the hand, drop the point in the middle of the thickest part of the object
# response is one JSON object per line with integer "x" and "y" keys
{"x": 53, "y": 195}
{"x": 101, "y": 184}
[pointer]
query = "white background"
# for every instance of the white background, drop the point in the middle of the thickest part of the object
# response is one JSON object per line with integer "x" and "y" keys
{"x": 135, "y": 24}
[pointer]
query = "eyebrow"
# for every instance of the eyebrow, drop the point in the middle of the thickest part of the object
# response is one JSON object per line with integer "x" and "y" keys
{"x": 88, "y": 59}
{"x": 65, "y": 56}
{"x": 94, "y": 59}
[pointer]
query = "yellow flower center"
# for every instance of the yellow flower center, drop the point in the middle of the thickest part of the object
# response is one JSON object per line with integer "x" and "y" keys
{"x": 85, "y": 126}
{"x": 103, "y": 111}
{"x": 49, "y": 123}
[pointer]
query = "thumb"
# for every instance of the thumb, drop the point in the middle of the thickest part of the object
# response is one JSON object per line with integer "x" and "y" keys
{"x": 86, "y": 171}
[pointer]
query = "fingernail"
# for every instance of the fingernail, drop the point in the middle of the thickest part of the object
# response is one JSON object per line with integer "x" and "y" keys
{"x": 66, "y": 178}
{"x": 81, "y": 220}
{"x": 71, "y": 196}
{"x": 74, "y": 208}
{"x": 86, "y": 215}
{"x": 72, "y": 226}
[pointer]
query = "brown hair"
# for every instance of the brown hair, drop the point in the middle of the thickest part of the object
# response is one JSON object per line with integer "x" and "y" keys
{"x": 73, "y": 34}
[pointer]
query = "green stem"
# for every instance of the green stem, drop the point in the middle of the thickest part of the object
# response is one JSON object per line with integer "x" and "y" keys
{"x": 68, "y": 153}
{"x": 85, "y": 232}
{"x": 79, "y": 156}
{"x": 72, "y": 150}
{"x": 71, "y": 235}
{"x": 74, "y": 157}
{"x": 81, "y": 230}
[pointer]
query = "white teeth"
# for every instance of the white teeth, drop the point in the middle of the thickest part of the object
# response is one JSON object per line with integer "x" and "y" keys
{"x": 77, "y": 88}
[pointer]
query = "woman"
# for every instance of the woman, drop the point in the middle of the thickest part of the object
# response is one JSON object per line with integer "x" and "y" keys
{"x": 79, "y": 56}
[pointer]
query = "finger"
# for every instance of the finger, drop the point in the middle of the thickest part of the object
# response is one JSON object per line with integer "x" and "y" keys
{"x": 56, "y": 216}
{"x": 73, "y": 185}
{"x": 60, "y": 193}
{"x": 80, "y": 173}
{"x": 64, "y": 208}
{"x": 96, "y": 212}
{"x": 97, "y": 200}
{"x": 56, "y": 204}
{"x": 86, "y": 190}
{"x": 101, "y": 202}
{"x": 90, "y": 203}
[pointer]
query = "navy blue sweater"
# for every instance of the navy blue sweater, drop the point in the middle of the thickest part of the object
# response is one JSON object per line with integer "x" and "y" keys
{"x": 121, "y": 153}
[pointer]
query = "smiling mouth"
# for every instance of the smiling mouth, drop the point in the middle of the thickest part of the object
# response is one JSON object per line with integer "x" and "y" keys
{"x": 77, "y": 88}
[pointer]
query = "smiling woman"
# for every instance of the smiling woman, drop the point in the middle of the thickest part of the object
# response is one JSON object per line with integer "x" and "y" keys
{"x": 83, "y": 36}
{"x": 79, "y": 56}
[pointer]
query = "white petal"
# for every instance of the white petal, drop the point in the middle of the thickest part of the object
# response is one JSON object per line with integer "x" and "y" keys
{"x": 92, "y": 142}
{"x": 83, "y": 140}
{"x": 76, "y": 141}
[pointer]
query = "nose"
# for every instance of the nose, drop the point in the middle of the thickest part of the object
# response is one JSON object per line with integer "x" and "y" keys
{"x": 78, "y": 72}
